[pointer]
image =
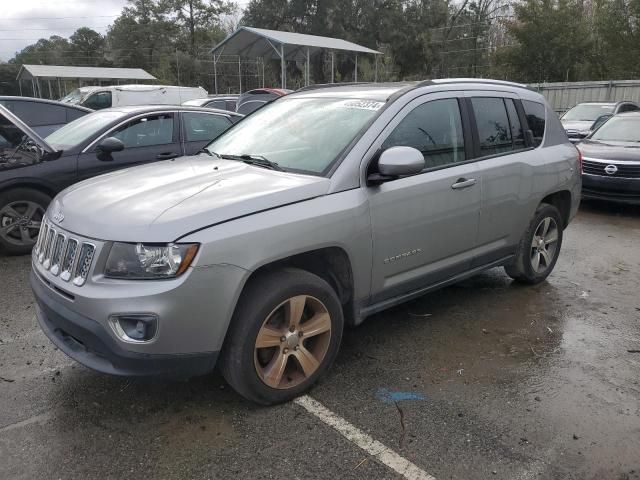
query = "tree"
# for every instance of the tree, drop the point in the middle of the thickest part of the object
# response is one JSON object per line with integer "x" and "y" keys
{"x": 553, "y": 41}
{"x": 199, "y": 21}
{"x": 87, "y": 47}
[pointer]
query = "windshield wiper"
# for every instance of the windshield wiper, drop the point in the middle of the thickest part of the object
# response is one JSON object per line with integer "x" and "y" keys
{"x": 257, "y": 160}
{"x": 204, "y": 150}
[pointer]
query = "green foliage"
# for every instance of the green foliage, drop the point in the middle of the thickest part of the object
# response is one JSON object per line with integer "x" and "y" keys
{"x": 529, "y": 40}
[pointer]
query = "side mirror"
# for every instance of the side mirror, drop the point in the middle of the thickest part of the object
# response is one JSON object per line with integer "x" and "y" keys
{"x": 107, "y": 146}
{"x": 601, "y": 120}
{"x": 396, "y": 162}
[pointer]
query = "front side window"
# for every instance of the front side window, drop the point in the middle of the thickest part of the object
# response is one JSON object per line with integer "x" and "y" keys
{"x": 494, "y": 131}
{"x": 435, "y": 129}
{"x": 146, "y": 131}
{"x": 200, "y": 127}
{"x": 98, "y": 101}
{"x": 299, "y": 134}
{"x": 535, "y": 113}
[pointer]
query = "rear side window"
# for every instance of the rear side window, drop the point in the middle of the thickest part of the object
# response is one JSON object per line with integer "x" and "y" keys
{"x": 494, "y": 131}
{"x": 203, "y": 126}
{"x": 434, "y": 128}
{"x": 535, "y": 113}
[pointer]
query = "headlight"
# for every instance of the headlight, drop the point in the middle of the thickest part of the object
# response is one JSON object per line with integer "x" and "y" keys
{"x": 140, "y": 261}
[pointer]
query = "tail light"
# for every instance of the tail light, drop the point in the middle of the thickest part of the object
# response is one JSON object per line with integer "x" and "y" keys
{"x": 579, "y": 159}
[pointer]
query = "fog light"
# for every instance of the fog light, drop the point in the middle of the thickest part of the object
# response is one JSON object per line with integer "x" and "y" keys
{"x": 135, "y": 327}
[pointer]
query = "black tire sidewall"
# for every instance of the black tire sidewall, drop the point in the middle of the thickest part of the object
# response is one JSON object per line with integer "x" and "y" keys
{"x": 543, "y": 212}
{"x": 260, "y": 298}
{"x": 18, "y": 194}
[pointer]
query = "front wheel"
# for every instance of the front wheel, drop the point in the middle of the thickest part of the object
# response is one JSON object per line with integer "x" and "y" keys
{"x": 539, "y": 247}
{"x": 21, "y": 214}
{"x": 284, "y": 336}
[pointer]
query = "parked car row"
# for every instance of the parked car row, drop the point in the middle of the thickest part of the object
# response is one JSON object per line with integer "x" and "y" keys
{"x": 608, "y": 137}
{"x": 34, "y": 169}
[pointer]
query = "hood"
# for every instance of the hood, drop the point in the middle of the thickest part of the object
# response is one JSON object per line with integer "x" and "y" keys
{"x": 26, "y": 130}
{"x": 577, "y": 125}
{"x": 613, "y": 151}
{"x": 161, "y": 202}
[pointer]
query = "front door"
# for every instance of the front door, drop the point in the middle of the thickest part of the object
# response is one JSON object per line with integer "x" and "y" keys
{"x": 149, "y": 138}
{"x": 425, "y": 226}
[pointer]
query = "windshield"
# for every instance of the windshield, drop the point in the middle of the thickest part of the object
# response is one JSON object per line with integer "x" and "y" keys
{"x": 82, "y": 129}
{"x": 74, "y": 97}
{"x": 587, "y": 112}
{"x": 619, "y": 129}
{"x": 299, "y": 134}
{"x": 16, "y": 148}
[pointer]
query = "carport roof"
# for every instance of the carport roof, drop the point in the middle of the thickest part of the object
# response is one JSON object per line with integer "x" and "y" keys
{"x": 60, "y": 71}
{"x": 258, "y": 42}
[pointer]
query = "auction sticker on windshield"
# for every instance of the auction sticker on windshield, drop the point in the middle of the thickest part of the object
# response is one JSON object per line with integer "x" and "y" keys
{"x": 364, "y": 104}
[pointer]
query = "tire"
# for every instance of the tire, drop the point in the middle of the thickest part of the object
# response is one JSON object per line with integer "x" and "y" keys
{"x": 272, "y": 374}
{"x": 21, "y": 212}
{"x": 524, "y": 269}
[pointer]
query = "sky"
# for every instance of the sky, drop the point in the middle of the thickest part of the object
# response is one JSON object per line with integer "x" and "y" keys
{"x": 23, "y": 22}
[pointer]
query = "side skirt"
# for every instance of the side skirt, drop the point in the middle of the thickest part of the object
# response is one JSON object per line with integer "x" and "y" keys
{"x": 368, "y": 310}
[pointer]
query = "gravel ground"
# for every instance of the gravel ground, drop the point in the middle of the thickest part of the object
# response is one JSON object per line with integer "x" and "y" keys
{"x": 485, "y": 379}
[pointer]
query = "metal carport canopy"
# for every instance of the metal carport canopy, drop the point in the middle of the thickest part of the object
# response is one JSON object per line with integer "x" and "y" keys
{"x": 273, "y": 44}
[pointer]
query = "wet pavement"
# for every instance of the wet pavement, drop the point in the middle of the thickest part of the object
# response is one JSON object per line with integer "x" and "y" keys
{"x": 485, "y": 379}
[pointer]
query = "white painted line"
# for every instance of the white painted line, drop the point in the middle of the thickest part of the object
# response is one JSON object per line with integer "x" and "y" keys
{"x": 356, "y": 436}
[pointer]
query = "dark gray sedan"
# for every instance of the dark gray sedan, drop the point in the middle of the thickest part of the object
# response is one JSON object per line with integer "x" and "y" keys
{"x": 611, "y": 160}
{"x": 33, "y": 169}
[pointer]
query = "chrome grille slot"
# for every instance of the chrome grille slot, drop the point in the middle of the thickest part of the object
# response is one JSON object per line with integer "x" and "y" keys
{"x": 68, "y": 261}
{"x": 36, "y": 250}
{"x": 56, "y": 256}
{"x": 84, "y": 264}
{"x": 51, "y": 235}
{"x": 43, "y": 243}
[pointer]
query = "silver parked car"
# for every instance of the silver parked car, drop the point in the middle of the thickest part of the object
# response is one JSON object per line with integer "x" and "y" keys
{"x": 585, "y": 118}
{"x": 258, "y": 251}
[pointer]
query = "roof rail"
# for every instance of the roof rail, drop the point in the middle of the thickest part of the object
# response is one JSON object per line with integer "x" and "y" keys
{"x": 470, "y": 80}
{"x": 318, "y": 86}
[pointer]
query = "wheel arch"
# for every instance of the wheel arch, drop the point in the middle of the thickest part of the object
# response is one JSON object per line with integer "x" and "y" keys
{"x": 332, "y": 264}
{"x": 32, "y": 183}
{"x": 562, "y": 201}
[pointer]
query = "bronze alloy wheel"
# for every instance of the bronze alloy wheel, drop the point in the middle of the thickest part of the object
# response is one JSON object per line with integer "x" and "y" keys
{"x": 292, "y": 342}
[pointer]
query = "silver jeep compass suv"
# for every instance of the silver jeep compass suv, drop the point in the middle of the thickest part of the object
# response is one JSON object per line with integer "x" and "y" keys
{"x": 322, "y": 208}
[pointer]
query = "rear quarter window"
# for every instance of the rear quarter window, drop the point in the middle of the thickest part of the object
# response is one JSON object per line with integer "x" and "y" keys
{"x": 535, "y": 113}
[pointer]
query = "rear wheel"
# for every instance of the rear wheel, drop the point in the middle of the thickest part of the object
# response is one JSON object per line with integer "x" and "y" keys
{"x": 539, "y": 247}
{"x": 284, "y": 336}
{"x": 21, "y": 214}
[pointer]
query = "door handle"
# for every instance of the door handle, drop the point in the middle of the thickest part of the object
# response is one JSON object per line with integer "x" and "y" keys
{"x": 167, "y": 155}
{"x": 463, "y": 183}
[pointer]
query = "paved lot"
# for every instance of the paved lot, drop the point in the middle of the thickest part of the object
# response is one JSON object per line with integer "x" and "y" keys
{"x": 485, "y": 379}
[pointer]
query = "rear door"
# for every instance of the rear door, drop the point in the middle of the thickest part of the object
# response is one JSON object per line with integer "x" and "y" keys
{"x": 505, "y": 168}
{"x": 425, "y": 226}
{"x": 147, "y": 138}
{"x": 200, "y": 128}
